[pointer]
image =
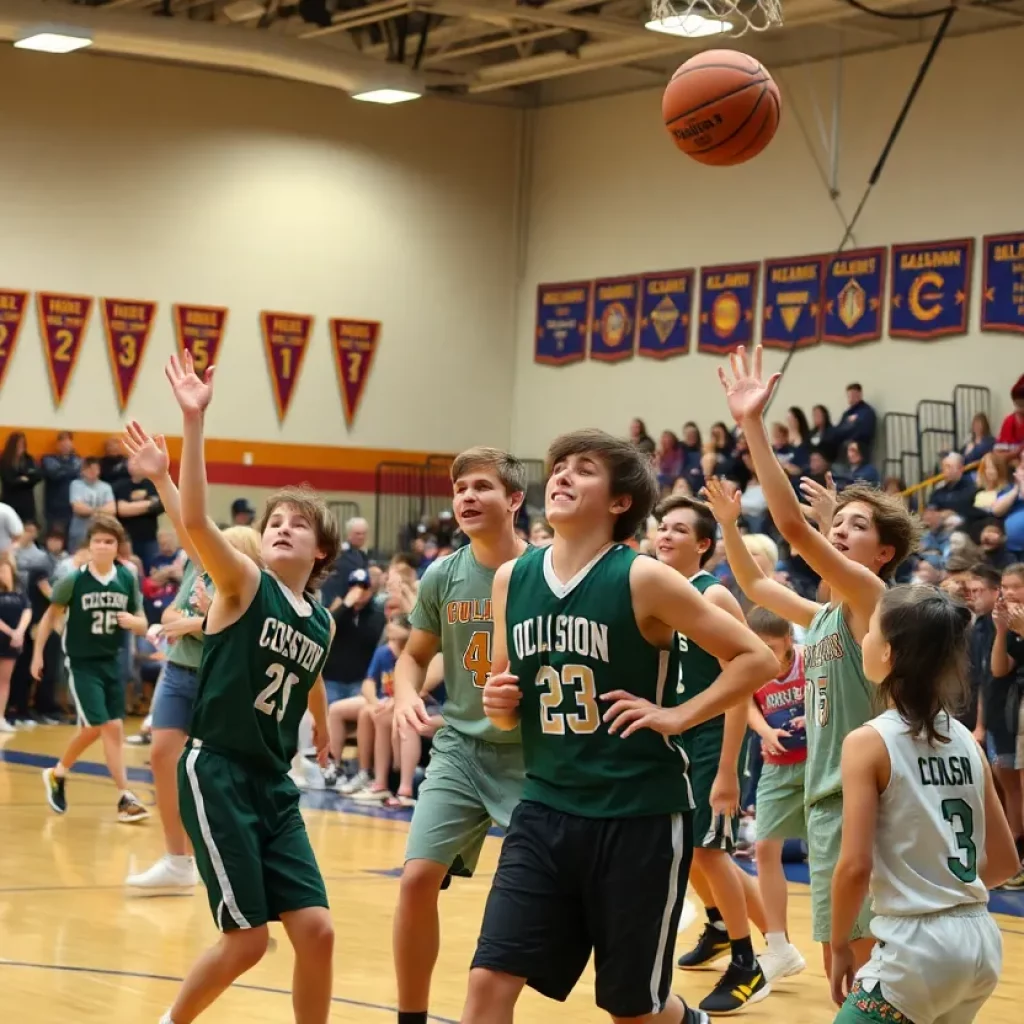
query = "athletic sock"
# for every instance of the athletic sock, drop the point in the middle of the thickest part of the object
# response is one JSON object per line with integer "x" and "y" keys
{"x": 777, "y": 942}
{"x": 412, "y": 1017}
{"x": 743, "y": 953}
{"x": 166, "y": 1018}
{"x": 59, "y": 770}
{"x": 715, "y": 918}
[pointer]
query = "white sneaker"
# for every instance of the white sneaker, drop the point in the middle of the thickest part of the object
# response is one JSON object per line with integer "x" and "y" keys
{"x": 6, "y": 726}
{"x": 169, "y": 875}
{"x": 369, "y": 795}
{"x": 360, "y": 781}
{"x": 305, "y": 774}
{"x": 783, "y": 964}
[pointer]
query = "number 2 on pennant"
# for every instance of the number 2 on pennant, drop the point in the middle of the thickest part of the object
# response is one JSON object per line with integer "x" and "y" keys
{"x": 65, "y": 339}
{"x": 477, "y": 659}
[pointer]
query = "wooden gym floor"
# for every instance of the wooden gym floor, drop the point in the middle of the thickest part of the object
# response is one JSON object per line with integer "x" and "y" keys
{"x": 75, "y": 948}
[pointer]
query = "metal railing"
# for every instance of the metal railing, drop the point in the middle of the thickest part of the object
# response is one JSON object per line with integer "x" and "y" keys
{"x": 902, "y": 456}
{"x": 968, "y": 401}
{"x": 936, "y": 433}
{"x": 343, "y": 511}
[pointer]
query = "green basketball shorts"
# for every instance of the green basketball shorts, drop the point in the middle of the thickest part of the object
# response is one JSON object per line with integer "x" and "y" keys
{"x": 250, "y": 841}
{"x": 98, "y": 690}
{"x": 780, "y": 802}
{"x": 470, "y": 783}
{"x": 710, "y": 831}
{"x": 824, "y": 839}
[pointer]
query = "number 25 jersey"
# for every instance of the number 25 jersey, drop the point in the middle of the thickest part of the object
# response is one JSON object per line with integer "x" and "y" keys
{"x": 568, "y": 644}
{"x": 255, "y": 677}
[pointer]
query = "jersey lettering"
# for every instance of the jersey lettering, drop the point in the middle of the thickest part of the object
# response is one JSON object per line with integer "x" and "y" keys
{"x": 820, "y": 704}
{"x": 291, "y": 643}
{"x": 104, "y": 623}
{"x": 265, "y": 699}
{"x": 564, "y": 634}
{"x": 104, "y": 599}
{"x": 552, "y": 720}
{"x": 477, "y": 657}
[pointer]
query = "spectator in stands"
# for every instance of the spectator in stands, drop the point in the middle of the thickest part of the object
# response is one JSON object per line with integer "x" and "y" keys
{"x": 1011, "y": 433}
{"x": 956, "y": 492}
{"x": 352, "y": 556}
{"x": 15, "y": 615}
{"x": 139, "y": 509}
{"x": 359, "y": 626}
{"x": 11, "y": 526}
{"x": 859, "y": 421}
{"x": 541, "y": 534}
{"x": 668, "y": 458}
{"x": 243, "y": 512}
{"x": 18, "y": 477}
{"x": 402, "y": 583}
{"x": 639, "y": 436}
{"x": 982, "y": 594}
{"x": 113, "y": 464}
{"x": 993, "y": 545}
{"x": 721, "y": 443}
{"x": 818, "y": 466}
{"x": 59, "y": 471}
{"x": 89, "y": 495}
{"x": 823, "y": 436}
{"x": 981, "y": 441}
{"x": 753, "y": 503}
{"x": 938, "y": 530}
{"x": 861, "y": 471}
{"x": 991, "y": 478}
{"x": 799, "y": 460}
{"x": 1009, "y": 506}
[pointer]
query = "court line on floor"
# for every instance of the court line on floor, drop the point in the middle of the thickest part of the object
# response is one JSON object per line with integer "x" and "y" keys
{"x": 144, "y": 975}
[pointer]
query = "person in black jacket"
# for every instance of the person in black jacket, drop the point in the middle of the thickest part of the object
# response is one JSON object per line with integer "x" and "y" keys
{"x": 359, "y": 626}
{"x": 18, "y": 477}
{"x": 59, "y": 470}
{"x": 982, "y": 594}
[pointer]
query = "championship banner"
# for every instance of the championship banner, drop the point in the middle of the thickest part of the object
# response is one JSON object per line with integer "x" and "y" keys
{"x": 666, "y": 304}
{"x": 199, "y": 331}
{"x": 930, "y": 289}
{"x": 854, "y": 282}
{"x": 563, "y": 312}
{"x": 354, "y": 343}
{"x": 128, "y": 323}
{"x": 1002, "y": 289}
{"x": 12, "y": 315}
{"x": 793, "y": 302}
{"x": 63, "y": 321}
{"x": 727, "y": 298}
{"x": 614, "y": 321}
{"x": 286, "y": 338}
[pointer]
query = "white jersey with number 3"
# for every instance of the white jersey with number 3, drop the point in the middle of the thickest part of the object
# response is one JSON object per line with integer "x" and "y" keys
{"x": 930, "y": 836}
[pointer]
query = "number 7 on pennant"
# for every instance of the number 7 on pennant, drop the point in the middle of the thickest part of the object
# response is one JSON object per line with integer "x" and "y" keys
{"x": 354, "y": 343}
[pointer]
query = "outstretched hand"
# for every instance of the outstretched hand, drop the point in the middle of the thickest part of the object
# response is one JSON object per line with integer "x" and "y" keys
{"x": 723, "y": 499}
{"x": 193, "y": 394}
{"x": 146, "y": 455}
{"x": 746, "y": 392}
{"x": 821, "y": 501}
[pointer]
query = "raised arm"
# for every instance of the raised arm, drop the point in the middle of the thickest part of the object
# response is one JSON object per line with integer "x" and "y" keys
{"x": 236, "y": 577}
{"x": 747, "y": 396}
{"x": 755, "y": 585}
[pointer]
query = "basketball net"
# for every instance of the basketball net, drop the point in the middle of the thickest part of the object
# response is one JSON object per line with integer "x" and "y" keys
{"x": 695, "y": 19}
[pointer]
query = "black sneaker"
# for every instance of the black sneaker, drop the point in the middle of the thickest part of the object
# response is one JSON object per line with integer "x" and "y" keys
{"x": 55, "y": 791}
{"x": 738, "y": 988}
{"x": 129, "y": 810}
{"x": 712, "y": 945}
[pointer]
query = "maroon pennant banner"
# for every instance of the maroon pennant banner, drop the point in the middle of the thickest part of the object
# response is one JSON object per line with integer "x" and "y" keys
{"x": 354, "y": 343}
{"x": 199, "y": 331}
{"x": 12, "y": 315}
{"x": 63, "y": 321}
{"x": 128, "y": 323}
{"x": 286, "y": 338}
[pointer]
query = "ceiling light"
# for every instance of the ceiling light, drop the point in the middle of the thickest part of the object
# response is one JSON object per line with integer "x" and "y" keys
{"x": 386, "y": 96}
{"x": 53, "y": 40}
{"x": 691, "y": 26}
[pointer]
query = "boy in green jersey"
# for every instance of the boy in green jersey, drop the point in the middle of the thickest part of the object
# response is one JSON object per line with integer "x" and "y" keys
{"x": 685, "y": 542}
{"x": 265, "y": 643}
{"x": 475, "y": 774}
{"x": 870, "y": 534}
{"x": 97, "y": 602}
{"x": 586, "y": 665}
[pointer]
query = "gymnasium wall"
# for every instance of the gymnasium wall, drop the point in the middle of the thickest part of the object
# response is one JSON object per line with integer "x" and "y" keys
{"x": 610, "y": 194}
{"x": 135, "y": 180}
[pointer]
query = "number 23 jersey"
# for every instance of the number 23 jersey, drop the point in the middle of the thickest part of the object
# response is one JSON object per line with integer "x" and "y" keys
{"x": 255, "y": 677}
{"x": 568, "y": 644}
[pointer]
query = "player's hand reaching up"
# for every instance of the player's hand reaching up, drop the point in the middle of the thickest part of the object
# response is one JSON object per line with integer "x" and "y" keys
{"x": 193, "y": 394}
{"x": 745, "y": 391}
{"x": 146, "y": 455}
{"x": 723, "y": 498}
{"x": 501, "y": 699}
{"x": 629, "y": 713}
{"x": 821, "y": 501}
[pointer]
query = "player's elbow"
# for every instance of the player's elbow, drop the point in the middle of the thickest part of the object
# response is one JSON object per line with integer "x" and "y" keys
{"x": 853, "y": 872}
{"x": 763, "y": 666}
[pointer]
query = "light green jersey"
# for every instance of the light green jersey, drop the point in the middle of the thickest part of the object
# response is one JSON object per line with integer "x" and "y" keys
{"x": 187, "y": 650}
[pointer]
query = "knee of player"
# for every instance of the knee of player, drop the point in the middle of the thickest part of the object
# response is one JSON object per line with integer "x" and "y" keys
{"x": 314, "y": 936}
{"x": 421, "y": 880}
{"x": 246, "y": 946}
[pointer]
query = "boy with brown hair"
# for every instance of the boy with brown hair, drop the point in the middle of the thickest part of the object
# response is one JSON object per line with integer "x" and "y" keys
{"x": 99, "y": 600}
{"x": 475, "y": 775}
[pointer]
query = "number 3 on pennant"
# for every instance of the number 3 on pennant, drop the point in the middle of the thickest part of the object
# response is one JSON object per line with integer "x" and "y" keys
{"x": 477, "y": 659}
{"x": 128, "y": 351}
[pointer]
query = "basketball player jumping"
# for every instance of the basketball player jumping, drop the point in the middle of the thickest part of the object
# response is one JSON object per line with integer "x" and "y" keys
{"x": 921, "y": 821}
{"x": 598, "y": 852}
{"x": 871, "y": 534}
{"x": 476, "y": 771}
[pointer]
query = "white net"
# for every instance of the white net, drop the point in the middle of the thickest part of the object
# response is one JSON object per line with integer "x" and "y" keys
{"x": 695, "y": 19}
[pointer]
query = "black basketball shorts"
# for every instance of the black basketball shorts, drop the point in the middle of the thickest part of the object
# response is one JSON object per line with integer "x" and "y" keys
{"x": 566, "y": 886}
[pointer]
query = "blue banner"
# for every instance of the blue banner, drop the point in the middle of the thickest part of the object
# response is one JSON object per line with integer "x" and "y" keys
{"x": 666, "y": 302}
{"x": 727, "y": 298}
{"x": 613, "y": 324}
{"x": 563, "y": 314}
{"x": 1002, "y": 288}
{"x": 792, "y": 304}
{"x": 854, "y": 282}
{"x": 930, "y": 290}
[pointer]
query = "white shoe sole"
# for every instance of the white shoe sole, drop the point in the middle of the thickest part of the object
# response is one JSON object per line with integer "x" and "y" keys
{"x": 796, "y": 967}
{"x": 755, "y": 998}
{"x": 142, "y": 891}
{"x": 134, "y": 819}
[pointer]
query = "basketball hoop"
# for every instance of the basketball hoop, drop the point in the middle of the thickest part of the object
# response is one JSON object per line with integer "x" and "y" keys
{"x": 693, "y": 19}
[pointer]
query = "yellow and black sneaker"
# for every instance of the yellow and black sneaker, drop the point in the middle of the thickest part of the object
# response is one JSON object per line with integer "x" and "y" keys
{"x": 55, "y": 791}
{"x": 712, "y": 945}
{"x": 1014, "y": 884}
{"x": 739, "y": 988}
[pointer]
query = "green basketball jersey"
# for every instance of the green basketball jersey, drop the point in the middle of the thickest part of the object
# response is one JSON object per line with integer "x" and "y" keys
{"x": 255, "y": 677}
{"x": 91, "y": 629}
{"x": 697, "y": 671}
{"x": 838, "y": 699}
{"x": 568, "y": 644}
{"x": 187, "y": 650}
{"x": 454, "y": 603}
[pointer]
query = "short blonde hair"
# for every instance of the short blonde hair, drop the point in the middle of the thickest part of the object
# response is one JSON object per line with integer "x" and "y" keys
{"x": 762, "y": 544}
{"x": 246, "y": 540}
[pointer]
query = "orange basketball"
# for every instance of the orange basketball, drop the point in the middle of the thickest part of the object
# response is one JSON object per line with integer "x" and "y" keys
{"x": 721, "y": 107}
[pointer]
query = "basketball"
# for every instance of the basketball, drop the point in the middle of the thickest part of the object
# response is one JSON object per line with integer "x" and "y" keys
{"x": 721, "y": 107}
